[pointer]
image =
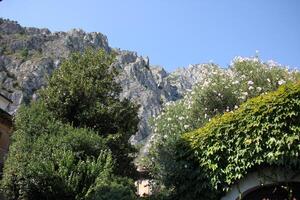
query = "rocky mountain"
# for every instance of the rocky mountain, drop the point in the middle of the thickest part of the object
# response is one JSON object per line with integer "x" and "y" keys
{"x": 28, "y": 56}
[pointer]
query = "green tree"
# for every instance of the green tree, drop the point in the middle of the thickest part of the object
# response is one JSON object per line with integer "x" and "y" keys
{"x": 52, "y": 160}
{"x": 73, "y": 142}
{"x": 84, "y": 92}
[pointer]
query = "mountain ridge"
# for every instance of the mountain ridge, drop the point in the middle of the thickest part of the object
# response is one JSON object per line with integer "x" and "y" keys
{"x": 29, "y": 55}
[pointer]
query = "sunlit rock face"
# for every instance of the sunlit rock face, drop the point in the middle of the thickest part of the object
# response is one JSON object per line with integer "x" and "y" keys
{"x": 28, "y": 56}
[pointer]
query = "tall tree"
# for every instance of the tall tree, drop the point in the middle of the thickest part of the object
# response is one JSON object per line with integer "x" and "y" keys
{"x": 84, "y": 92}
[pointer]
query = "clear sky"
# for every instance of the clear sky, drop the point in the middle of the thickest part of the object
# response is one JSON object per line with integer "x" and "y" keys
{"x": 176, "y": 33}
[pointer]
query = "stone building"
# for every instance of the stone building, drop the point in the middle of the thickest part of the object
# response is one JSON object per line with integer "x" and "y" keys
{"x": 5, "y": 127}
{"x": 143, "y": 184}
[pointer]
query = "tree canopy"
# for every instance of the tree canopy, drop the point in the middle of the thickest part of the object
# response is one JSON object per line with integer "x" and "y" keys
{"x": 73, "y": 142}
{"x": 84, "y": 93}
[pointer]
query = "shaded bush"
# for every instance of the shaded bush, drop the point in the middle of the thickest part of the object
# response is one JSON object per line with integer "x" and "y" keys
{"x": 116, "y": 189}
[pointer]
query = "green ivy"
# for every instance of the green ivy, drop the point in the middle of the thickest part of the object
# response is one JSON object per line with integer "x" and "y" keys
{"x": 264, "y": 131}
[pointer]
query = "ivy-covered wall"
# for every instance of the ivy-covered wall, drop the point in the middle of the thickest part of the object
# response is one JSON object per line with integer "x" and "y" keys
{"x": 264, "y": 131}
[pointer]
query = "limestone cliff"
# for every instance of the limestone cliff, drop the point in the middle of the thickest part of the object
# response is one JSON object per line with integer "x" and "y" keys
{"x": 28, "y": 56}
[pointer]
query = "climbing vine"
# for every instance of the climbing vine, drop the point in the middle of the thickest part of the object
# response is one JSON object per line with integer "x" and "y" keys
{"x": 264, "y": 131}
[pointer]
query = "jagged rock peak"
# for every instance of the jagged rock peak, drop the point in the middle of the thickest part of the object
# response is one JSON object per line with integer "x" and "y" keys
{"x": 29, "y": 55}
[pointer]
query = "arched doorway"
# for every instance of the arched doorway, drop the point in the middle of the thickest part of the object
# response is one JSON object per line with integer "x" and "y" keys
{"x": 270, "y": 183}
{"x": 280, "y": 191}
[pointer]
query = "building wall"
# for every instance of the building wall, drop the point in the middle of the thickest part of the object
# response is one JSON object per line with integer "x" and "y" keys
{"x": 143, "y": 187}
{"x": 5, "y": 131}
{"x": 3, "y": 103}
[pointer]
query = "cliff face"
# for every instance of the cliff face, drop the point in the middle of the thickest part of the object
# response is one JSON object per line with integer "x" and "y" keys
{"x": 29, "y": 55}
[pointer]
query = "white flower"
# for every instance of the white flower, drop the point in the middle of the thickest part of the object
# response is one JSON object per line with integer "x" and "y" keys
{"x": 236, "y": 107}
{"x": 251, "y": 87}
{"x": 205, "y": 116}
{"x": 258, "y": 89}
{"x": 268, "y": 80}
{"x": 206, "y": 83}
{"x": 245, "y": 93}
{"x": 186, "y": 126}
{"x": 280, "y": 82}
{"x": 165, "y": 136}
{"x": 272, "y": 63}
{"x": 180, "y": 118}
{"x": 227, "y": 109}
{"x": 250, "y": 82}
{"x": 169, "y": 119}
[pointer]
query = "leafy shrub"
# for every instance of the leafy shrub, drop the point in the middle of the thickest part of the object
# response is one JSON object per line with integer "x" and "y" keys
{"x": 116, "y": 189}
{"x": 264, "y": 131}
{"x": 24, "y": 53}
{"x": 221, "y": 90}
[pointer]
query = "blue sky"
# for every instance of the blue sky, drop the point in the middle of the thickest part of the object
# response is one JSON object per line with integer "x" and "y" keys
{"x": 175, "y": 33}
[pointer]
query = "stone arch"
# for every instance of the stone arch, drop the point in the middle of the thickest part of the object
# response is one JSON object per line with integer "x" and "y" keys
{"x": 261, "y": 179}
{"x": 274, "y": 191}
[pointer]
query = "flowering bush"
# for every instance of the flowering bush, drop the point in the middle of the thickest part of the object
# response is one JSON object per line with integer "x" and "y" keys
{"x": 263, "y": 132}
{"x": 220, "y": 91}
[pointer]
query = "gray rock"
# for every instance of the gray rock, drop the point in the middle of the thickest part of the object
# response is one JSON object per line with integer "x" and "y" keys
{"x": 3, "y": 76}
{"x": 185, "y": 78}
{"x": 149, "y": 86}
{"x": 10, "y": 27}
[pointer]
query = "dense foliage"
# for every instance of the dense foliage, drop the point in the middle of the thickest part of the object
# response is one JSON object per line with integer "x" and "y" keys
{"x": 84, "y": 92}
{"x": 264, "y": 131}
{"x": 63, "y": 147}
{"x": 52, "y": 160}
{"x": 219, "y": 91}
